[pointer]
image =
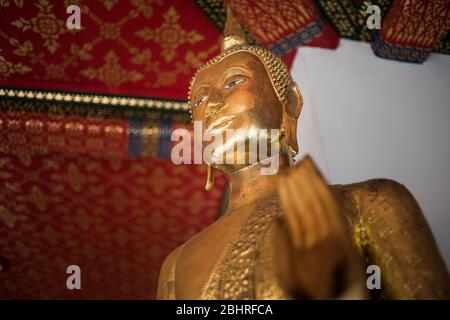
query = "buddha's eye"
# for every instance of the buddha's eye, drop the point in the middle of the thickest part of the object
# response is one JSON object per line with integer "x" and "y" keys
{"x": 199, "y": 102}
{"x": 233, "y": 83}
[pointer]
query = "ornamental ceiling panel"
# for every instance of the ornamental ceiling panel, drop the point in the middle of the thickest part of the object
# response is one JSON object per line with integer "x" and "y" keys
{"x": 137, "y": 47}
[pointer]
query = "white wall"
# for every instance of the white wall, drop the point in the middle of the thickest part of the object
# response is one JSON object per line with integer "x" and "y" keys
{"x": 365, "y": 117}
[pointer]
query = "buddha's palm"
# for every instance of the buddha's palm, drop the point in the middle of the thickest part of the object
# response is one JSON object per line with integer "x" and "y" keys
{"x": 315, "y": 256}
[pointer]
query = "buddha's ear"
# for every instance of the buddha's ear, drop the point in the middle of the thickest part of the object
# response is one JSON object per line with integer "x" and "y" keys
{"x": 291, "y": 111}
{"x": 293, "y": 102}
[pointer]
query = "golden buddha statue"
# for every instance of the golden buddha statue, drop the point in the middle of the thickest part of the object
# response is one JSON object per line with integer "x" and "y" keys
{"x": 289, "y": 235}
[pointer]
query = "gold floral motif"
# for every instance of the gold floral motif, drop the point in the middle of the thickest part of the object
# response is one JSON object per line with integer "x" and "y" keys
{"x": 77, "y": 53}
{"x": 158, "y": 175}
{"x": 51, "y": 27}
{"x": 56, "y": 71}
{"x": 145, "y": 6}
{"x": 21, "y": 49}
{"x": 40, "y": 199}
{"x": 16, "y": 138}
{"x": 54, "y": 126}
{"x": 93, "y": 129}
{"x": 44, "y": 23}
{"x": 110, "y": 31}
{"x": 8, "y": 68}
{"x": 111, "y": 73}
{"x": 74, "y": 128}
{"x": 73, "y": 177}
{"x": 7, "y": 3}
{"x": 192, "y": 61}
{"x": 53, "y": 71}
{"x": 108, "y": 4}
{"x": 73, "y": 2}
{"x": 34, "y": 126}
{"x": 170, "y": 35}
{"x": 94, "y": 143}
{"x": 263, "y": 17}
{"x": 114, "y": 131}
{"x": 144, "y": 58}
{"x": 7, "y": 217}
{"x": 420, "y": 24}
{"x": 13, "y": 124}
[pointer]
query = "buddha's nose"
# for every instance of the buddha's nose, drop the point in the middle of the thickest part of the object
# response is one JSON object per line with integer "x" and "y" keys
{"x": 214, "y": 103}
{"x": 212, "y": 108}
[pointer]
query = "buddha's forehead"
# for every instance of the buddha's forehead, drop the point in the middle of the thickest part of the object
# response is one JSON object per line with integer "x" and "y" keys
{"x": 241, "y": 59}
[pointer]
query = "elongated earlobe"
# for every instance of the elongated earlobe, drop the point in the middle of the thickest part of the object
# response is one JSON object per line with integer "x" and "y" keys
{"x": 209, "y": 178}
{"x": 294, "y": 102}
{"x": 292, "y": 107}
{"x": 286, "y": 148}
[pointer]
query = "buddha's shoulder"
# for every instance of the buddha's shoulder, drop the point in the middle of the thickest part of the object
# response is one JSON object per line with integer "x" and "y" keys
{"x": 372, "y": 185}
{"x": 205, "y": 240}
{"x": 381, "y": 195}
{"x": 371, "y": 190}
{"x": 166, "y": 280}
{"x": 172, "y": 258}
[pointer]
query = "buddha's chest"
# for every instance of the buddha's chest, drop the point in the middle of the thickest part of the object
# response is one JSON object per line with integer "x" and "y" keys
{"x": 245, "y": 268}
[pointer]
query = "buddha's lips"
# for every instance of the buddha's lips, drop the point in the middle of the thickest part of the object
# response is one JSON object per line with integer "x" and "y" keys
{"x": 220, "y": 124}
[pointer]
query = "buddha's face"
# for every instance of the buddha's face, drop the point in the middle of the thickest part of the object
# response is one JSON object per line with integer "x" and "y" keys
{"x": 235, "y": 93}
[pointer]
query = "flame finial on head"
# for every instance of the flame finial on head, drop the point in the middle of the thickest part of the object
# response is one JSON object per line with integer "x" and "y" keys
{"x": 233, "y": 33}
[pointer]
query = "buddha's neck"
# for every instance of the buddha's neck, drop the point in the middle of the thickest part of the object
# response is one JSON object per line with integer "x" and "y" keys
{"x": 247, "y": 185}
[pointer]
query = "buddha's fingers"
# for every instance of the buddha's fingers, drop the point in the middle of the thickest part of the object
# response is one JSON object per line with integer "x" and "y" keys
{"x": 289, "y": 217}
{"x": 340, "y": 235}
{"x": 320, "y": 227}
{"x": 333, "y": 213}
{"x": 306, "y": 206}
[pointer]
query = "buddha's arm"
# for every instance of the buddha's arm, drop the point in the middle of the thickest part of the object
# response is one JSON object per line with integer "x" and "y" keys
{"x": 166, "y": 281}
{"x": 393, "y": 234}
{"x": 315, "y": 254}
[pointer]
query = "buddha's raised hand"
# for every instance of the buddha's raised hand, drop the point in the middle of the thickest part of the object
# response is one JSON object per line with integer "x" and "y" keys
{"x": 315, "y": 256}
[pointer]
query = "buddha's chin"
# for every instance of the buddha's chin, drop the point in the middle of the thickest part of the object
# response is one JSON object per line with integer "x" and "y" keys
{"x": 234, "y": 166}
{"x": 229, "y": 168}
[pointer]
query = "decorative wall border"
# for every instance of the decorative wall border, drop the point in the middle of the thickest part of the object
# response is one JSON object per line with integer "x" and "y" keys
{"x": 387, "y": 50}
{"x": 94, "y": 99}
